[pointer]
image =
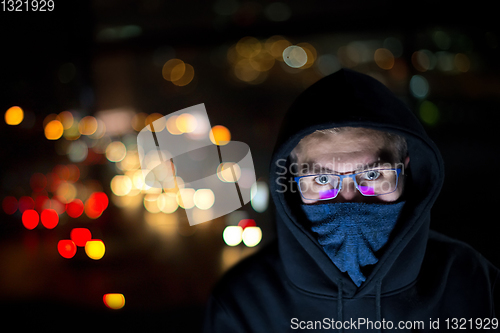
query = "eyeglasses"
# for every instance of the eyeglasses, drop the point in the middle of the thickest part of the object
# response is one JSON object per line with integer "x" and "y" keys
{"x": 369, "y": 183}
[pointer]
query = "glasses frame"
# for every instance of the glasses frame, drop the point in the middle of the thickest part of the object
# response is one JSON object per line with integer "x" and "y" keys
{"x": 353, "y": 177}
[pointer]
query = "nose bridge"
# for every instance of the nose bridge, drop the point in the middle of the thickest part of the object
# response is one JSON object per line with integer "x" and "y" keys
{"x": 349, "y": 190}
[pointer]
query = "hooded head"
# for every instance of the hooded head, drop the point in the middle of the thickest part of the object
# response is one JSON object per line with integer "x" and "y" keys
{"x": 359, "y": 107}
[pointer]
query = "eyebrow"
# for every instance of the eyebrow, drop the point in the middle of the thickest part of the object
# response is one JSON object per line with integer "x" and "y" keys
{"x": 317, "y": 168}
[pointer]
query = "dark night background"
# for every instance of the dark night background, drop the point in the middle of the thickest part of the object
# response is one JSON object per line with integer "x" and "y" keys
{"x": 91, "y": 56}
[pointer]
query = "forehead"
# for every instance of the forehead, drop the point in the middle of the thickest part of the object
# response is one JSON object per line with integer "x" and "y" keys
{"x": 345, "y": 142}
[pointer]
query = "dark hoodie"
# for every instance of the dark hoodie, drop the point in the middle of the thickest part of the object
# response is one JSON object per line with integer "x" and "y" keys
{"x": 422, "y": 279}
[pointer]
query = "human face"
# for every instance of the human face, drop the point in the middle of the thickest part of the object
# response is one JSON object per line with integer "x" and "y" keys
{"x": 347, "y": 152}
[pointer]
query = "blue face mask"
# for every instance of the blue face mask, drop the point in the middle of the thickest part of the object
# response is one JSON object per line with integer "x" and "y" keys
{"x": 350, "y": 233}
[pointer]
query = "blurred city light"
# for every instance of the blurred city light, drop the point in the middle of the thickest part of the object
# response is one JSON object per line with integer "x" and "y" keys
{"x": 116, "y": 151}
{"x": 75, "y": 208}
{"x": 232, "y": 235}
{"x": 66, "y": 248}
{"x": 251, "y": 236}
{"x": 80, "y": 236}
{"x": 229, "y": 172}
{"x": 247, "y": 223}
{"x": 204, "y": 198}
{"x": 384, "y": 58}
{"x": 429, "y": 112}
{"x": 220, "y": 135}
{"x": 114, "y": 301}
{"x": 9, "y": 205}
{"x": 54, "y": 130}
{"x": 419, "y": 87}
{"x": 30, "y": 219}
{"x": 49, "y": 218}
{"x": 295, "y": 56}
{"x": 95, "y": 249}
{"x": 260, "y": 196}
{"x": 14, "y": 115}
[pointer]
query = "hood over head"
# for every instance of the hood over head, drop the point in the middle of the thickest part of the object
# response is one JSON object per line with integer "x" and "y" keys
{"x": 349, "y": 98}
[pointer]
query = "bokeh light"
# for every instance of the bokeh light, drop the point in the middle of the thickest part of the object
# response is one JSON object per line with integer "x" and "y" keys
{"x": 87, "y": 125}
{"x": 232, "y": 235}
{"x": 429, "y": 113}
{"x": 247, "y": 223}
{"x": 96, "y": 204}
{"x": 121, "y": 185}
{"x": 26, "y": 203}
{"x": 14, "y": 115}
{"x": 251, "y": 236}
{"x": 116, "y": 151}
{"x": 75, "y": 208}
{"x": 66, "y": 119}
{"x": 171, "y": 125}
{"x": 259, "y": 194}
{"x": 54, "y": 130}
{"x": 220, "y": 135}
{"x": 95, "y": 249}
{"x": 204, "y": 198}
{"x": 186, "y": 123}
{"x": 167, "y": 202}
{"x": 30, "y": 219}
{"x": 384, "y": 58}
{"x": 114, "y": 301}
{"x": 80, "y": 236}
{"x": 66, "y": 248}
{"x": 229, "y": 172}
{"x": 49, "y": 218}
{"x": 419, "y": 87}
{"x": 185, "y": 198}
{"x": 295, "y": 56}
{"x": 9, "y": 205}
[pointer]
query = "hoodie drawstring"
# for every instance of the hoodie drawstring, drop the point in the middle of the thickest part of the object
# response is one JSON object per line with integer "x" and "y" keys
{"x": 378, "y": 308}
{"x": 340, "y": 303}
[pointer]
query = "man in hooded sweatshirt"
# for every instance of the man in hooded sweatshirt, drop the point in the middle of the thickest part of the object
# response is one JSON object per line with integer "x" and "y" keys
{"x": 353, "y": 182}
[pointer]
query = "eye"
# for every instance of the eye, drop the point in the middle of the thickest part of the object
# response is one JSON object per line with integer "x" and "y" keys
{"x": 372, "y": 175}
{"x": 322, "y": 179}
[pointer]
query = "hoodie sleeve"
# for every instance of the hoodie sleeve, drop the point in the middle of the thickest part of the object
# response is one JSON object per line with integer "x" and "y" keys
{"x": 218, "y": 319}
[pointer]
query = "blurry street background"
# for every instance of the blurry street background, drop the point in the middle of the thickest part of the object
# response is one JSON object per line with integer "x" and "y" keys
{"x": 84, "y": 243}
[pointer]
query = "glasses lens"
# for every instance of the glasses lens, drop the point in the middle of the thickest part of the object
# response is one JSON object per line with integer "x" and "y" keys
{"x": 377, "y": 182}
{"x": 319, "y": 187}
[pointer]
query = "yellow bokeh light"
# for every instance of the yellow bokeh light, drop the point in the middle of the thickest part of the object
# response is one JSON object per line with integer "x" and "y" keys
{"x": 95, "y": 249}
{"x": 186, "y": 78}
{"x": 186, "y": 123}
{"x": 66, "y": 192}
{"x": 14, "y": 115}
{"x": 54, "y": 130}
{"x": 116, "y": 151}
{"x": 167, "y": 202}
{"x": 204, "y": 198}
{"x": 156, "y": 121}
{"x": 220, "y": 135}
{"x": 232, "y": 235}
{"x": 310, "y": 52}
{"x": 178, "y": 71}
{"x": 229, "y": 172}
{"x": 150, "y": 203}
{"x": 172, "y": 126}
{"x": 185, "y": 198}
{"x": 121, "y": 185}
{"x": 251, "y": 236}
{"x": 87, "y": 125}
{"x": 384, "y": 58}
{"x": 248, "y": 47}
{"x": 169, "y": 67}
{"x": 275, "y": 45}
{"x": 139, "y": 121}
{"x": 67, "y": 119}
{"x": 114, "y": 301}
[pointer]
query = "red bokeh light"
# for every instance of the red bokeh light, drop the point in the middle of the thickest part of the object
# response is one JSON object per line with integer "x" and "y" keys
{"x": 96, "y": 204}
{"x": 26, "y": 203}
{"x": 9, "y": 205}
{"x": 247, "y": 223}
{"x": 30, "y": 219}
{"x": 80, "y": 236}
{"x": 75, "y": 208}
{"x": 49, "y": 218}
{"x": 66, "y": 248}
